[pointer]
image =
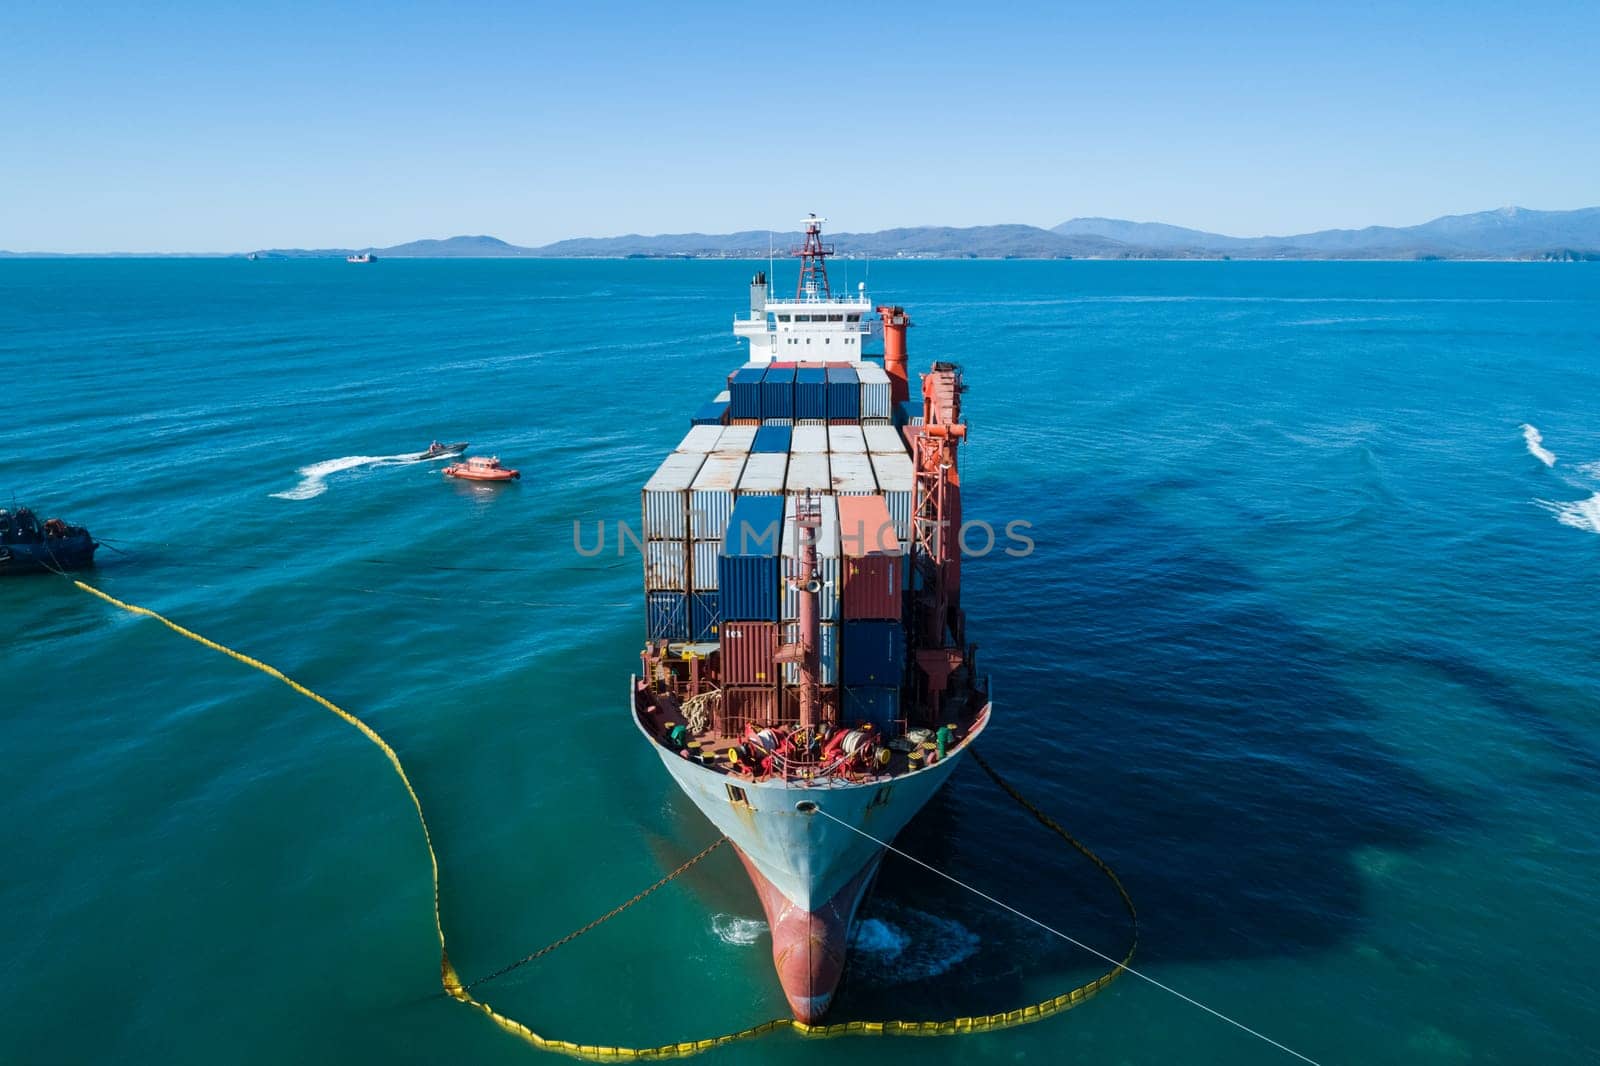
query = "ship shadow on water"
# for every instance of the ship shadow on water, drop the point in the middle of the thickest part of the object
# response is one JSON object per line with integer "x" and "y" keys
{"x": 1152, "y": 698}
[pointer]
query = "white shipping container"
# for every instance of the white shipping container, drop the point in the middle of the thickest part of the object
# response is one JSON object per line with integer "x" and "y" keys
{"x": 884, "y": 439}
{"x": 852, "y": 474}
{"x": 808, "y": 472}
{"x": 874, "y": 390}
{"x": 711, "y": 496}
{"x": 846, "y": 439}
{"x": 735, "y": 439}
{"x": 828, "y": 571}
{"x": 665, "y": 566}
{"x": 829, "y": 574}
{"x": 827, "y": 532}
{"x": 827, "y": 654}
{"x": 809, "y": 439}
{"x": 764, "y": 474}
{"x": 666, "y": 496}
{"x": 700, "y": 439}
{"x": 897, "y": 481}
{"x": 704, "y": 576}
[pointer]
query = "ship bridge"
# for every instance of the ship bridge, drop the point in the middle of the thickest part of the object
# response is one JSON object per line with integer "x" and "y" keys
{"x": 817, "y": 324}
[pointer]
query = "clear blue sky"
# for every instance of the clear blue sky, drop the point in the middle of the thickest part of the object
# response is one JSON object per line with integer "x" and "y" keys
{"x": 179, "y": 126}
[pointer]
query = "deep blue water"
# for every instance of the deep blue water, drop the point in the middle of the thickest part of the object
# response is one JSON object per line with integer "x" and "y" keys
{"x": 1306, "y": 649}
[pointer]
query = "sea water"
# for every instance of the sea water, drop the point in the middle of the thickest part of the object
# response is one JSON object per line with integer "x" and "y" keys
{"x": 1306, "y": 649}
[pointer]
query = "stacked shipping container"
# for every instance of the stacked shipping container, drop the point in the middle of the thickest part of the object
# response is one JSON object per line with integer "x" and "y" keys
{"x": 874, "y": 393}
{"x": 719, "y": 540}
{"x": 666, "y": 543}
{"x": 750, "y": 569}
{"x": 871, "y": 607}
{"x": 811, "y": 395}
{"x": 711, "y": 497}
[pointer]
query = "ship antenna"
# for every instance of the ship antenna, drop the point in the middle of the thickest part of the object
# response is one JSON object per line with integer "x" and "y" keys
{"x": 813, "y": 262}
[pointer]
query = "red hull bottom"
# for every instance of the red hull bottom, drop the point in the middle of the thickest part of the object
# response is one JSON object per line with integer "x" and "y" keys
{"x": 809, "y": 947}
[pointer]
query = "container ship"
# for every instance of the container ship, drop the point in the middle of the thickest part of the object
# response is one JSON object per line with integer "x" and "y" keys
{"x": 806, "y": 678}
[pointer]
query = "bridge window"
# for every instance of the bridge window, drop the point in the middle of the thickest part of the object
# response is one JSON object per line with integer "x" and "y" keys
{"x": 802, "y": 318}
{"x": 835, "y": 318}
{"x": 783, "y": 318}
{"x": 852, "y": 318}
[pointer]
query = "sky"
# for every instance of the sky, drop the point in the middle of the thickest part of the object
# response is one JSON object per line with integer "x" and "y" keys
{"x": 167, "y": 126}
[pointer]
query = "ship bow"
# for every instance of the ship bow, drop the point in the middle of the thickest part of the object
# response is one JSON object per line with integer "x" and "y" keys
{"x": 810, "y": 944}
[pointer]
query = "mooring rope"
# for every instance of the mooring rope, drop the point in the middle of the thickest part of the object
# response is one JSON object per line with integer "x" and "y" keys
{"x": 453, "y": 986}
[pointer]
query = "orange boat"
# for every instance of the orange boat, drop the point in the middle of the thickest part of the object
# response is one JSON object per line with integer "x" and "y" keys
{"x": 482, "y": 468}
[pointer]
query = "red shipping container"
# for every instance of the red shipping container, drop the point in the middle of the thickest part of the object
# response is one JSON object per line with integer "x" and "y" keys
{"x": 748, "y": 649}
{"x": 743, "y": 705}
{"x": 827, "y": 704}
{"x": 872, "y": 566}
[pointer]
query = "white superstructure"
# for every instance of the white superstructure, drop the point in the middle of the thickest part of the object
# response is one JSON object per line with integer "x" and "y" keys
{"x": 816, "y": 325}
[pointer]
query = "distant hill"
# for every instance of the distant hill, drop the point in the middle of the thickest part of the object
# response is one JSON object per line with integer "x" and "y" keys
{"x": 1508, "y": 233}
{"x": 449, "y": 248}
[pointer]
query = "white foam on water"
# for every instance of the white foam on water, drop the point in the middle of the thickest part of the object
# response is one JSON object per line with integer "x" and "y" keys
{"x": 877, "y": 937}
{"x": 1579, "y": 514}
{"x": 315, "y": 477}
{"x": 731, "y": 929}
{"x": 1589, "y": 469}
{"x": 911, "y": 945}
{"x": 1536, "y": 446}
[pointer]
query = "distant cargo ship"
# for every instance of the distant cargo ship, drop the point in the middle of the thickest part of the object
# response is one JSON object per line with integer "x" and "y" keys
{"x": 806, "y": 673}
{"x": 363, "y": 257}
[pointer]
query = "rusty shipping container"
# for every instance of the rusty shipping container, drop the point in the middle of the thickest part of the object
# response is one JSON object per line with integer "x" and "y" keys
{"x": 748, "y": 651}
{"x": 871, "y": 560}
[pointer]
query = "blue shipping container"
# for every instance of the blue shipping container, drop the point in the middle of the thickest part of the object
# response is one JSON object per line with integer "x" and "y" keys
{"x": 844, "y": 393}
{"x": 744, "y": 391}
{"x": 668, "y": 619}
{"x": 705, "y": 615}
{"x": 872, "y": 653}
{"x": 714, "y": 413}
{"x": 777, "y": 392}
{"x": 749, "y": 567}
{"x": 773, "y": 439}
{"x": 811, "y": 392}
{"x": 875, "y": 704}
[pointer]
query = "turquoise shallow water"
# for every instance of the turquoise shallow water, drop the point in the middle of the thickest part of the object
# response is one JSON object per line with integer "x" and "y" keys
{"x": 1306, "y": 649}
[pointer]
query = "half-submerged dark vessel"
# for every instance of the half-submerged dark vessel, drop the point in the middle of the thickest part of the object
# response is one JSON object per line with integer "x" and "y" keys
{"x": 28, "y": 546}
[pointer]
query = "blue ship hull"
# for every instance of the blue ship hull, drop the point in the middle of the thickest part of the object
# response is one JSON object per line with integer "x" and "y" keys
{"x": 46, "y": 556}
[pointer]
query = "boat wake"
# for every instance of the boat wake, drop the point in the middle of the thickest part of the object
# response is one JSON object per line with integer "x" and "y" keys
{"x": 1536, "y": 446}
{"x": 904, "y": 945}
{"x": 1579, "y": 514}
{"x": 314, "y": 478}
{"x": 909, "y": 945}
{"x": 731, "y": 929}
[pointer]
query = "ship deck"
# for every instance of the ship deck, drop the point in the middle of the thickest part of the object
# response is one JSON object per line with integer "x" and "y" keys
{"x": 658, "y": 714}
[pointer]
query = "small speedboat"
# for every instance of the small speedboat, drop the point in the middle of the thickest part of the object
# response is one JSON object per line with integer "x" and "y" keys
{"x": 482, "y": 468}
{"x": 440, "y": 451}
{"x": 29, "y": 547}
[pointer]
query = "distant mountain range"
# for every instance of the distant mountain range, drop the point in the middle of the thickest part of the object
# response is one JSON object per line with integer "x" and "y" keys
{"x": 1507, "y": 233}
